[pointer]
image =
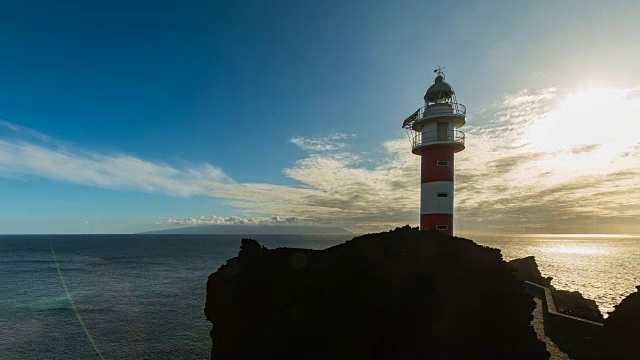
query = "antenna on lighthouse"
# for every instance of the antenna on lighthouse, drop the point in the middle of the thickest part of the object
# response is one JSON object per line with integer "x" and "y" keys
{"x": 439, "y": 71}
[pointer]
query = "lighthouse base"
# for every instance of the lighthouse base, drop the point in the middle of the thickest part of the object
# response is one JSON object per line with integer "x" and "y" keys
{"x": 438, "y": 222}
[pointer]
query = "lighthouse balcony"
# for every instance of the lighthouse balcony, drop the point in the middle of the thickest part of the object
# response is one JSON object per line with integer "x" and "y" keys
{"x": 440, "y": 111}
{"x": 453, "y": 138}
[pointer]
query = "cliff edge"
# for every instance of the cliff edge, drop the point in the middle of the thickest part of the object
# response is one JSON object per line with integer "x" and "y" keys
{"x": 620, "y": 335}
{"x": 403, "y": 294}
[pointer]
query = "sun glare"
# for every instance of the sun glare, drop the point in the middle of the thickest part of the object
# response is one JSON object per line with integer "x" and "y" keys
{"x": 597, "y": 116}
{"x": 587, "y": 133}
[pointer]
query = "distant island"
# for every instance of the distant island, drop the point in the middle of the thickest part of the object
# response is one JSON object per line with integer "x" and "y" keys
{"x": 254, "y": 230}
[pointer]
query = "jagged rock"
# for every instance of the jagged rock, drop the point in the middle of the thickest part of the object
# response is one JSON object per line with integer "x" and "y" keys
{"x": 403, "y": 294}
{"x": 574, "y": 304}
{"x": 527, "y": 270}
{"x": 620, "y": 335}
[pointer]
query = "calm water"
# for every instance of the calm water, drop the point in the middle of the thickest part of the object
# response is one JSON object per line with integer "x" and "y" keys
{"x": 143, "y": 296}
{"x": 605, "y": 268}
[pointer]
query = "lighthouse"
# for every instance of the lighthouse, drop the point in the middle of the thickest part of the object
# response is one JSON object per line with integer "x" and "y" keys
{"x": 433, "y": 131}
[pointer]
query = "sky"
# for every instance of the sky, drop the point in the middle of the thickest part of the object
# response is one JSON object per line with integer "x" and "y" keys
{"x": 121, "y": 116}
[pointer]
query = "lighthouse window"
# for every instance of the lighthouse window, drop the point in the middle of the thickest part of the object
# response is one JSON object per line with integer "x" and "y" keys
{"x": 442, "y": 163}
{"x": 442, "y": 227}
{"x": 443, "y": 194}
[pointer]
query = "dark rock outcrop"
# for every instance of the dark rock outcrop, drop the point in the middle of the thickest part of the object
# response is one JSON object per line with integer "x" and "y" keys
{"x": 567, "y": 302}
{"x": 620, "y": 335}
{"x": 527, "y": 270}
{"x": 404, "y": 294}
{"x": 574, "y": 304}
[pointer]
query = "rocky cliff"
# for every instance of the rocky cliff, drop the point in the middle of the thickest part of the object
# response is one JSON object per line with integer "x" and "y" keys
{"x": 403, "y": 294}
{"x": 620, "y": 335}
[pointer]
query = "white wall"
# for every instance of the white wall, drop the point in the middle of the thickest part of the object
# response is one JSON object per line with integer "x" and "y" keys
{"x": 430, "y": 203}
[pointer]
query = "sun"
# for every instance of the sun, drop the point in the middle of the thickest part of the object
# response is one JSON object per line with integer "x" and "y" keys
{"x": 588, "y": 133}
{"x": 604, "y": 118}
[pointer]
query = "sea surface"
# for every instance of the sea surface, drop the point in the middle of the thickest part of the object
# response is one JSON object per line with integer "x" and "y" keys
{"x": 142, "y": 296}
{"x": 604, "y": 268}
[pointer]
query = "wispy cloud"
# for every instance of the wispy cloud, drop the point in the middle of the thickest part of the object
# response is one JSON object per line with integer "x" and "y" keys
{"x": 232, "y": 220}
{"x": 337, "y": 190}
{"x": 331, "y": 142}
{"x": 579, "y": 149}
{"x": 18, "y": 130}
{"x": 37, "y": 155}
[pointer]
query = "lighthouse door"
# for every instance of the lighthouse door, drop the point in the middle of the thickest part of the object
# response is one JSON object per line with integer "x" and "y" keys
{"x": 442, "y": 131}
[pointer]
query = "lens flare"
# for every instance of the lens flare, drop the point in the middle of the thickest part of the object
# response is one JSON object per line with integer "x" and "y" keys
{"x": 73, "y": 306}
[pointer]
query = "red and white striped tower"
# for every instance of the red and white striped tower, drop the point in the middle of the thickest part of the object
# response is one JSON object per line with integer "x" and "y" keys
{"x": 433, "y": 134}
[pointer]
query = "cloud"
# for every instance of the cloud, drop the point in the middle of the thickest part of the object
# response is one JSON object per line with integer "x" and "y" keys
{"x": 331, "y": 142}
{"x": 232, "y": 220}
{"x": 634, "y": 151}
{"x": 39, "y": 156}
{"x": 584, "y": 148}
{"x": 503, "y": 165}
{"x": 9, "y": 129}
{"x": 337, "y": 190}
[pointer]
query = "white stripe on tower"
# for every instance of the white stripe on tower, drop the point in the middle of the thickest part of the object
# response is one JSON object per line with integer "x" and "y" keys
{"x": 436, "y": 197}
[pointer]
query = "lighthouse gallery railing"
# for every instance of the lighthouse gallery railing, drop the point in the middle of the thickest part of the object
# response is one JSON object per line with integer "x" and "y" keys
{"x": 437, "y": 136}
{"x": 437, "y": 109}
{"x": 442, "y": 108}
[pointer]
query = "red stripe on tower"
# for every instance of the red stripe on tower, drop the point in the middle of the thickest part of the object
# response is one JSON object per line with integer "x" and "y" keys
{"x": 436, "y": 190}
{"x": 435, "y": 137}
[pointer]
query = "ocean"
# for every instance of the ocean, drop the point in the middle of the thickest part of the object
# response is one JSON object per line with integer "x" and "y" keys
{"x": 604, "y": 268}
{"x": 142, "y": 296}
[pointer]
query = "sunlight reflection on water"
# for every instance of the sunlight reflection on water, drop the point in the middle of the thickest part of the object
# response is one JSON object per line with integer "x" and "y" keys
{"x": 581, "y": 250}
{"x": 604, "y": 268}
